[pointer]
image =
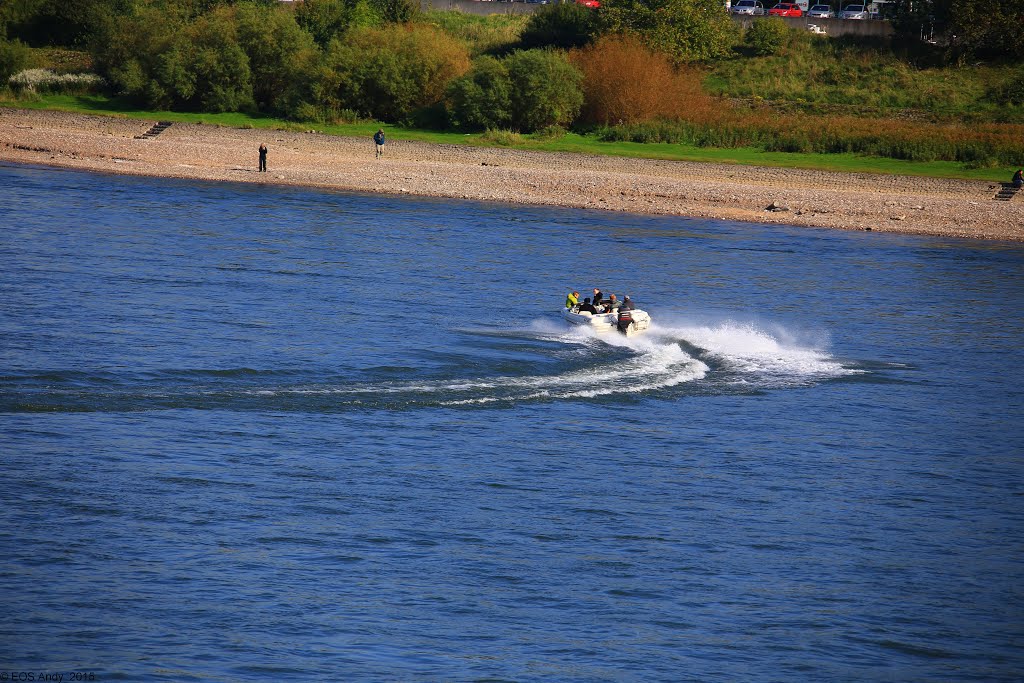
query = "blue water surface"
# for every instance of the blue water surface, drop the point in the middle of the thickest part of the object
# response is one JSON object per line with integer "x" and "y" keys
{"x": 265, "y": 433}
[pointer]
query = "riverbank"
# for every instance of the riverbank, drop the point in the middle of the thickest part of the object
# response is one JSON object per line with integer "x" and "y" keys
{"x": 884, "y": 203}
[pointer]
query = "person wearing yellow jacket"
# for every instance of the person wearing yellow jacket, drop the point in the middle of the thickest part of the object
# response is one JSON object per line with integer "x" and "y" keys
{"x": 572, "y": 299}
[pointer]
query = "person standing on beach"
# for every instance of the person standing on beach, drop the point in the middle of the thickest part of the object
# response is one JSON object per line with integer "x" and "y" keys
{"x": 1018, "y": 178}
{"x": 263, "y": 158}
{"x": 378, "y": 139}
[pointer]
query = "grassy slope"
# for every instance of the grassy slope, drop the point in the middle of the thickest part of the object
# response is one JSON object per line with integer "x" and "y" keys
{"x": 569, "y": 143}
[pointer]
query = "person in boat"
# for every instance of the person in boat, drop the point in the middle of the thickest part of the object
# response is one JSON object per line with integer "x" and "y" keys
{"x": 627, "y": 303}
{"x": 587, "y": 306}
{"x": 625, "y": 319}
{"x": 612, "y": 304}
{"x": 597, "y": 297}
{"x": 572, "y": 299}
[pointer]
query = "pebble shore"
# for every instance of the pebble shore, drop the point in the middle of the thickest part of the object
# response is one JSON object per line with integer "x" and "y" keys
{"x": 813, "y": 199}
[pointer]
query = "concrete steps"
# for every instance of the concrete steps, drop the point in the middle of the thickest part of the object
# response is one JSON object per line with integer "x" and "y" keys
{"x": 157, "y": 128}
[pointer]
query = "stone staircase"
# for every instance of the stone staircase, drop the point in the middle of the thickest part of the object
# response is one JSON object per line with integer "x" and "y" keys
{"x": 157, "y": 128}
{"x": 1006, "y": 192}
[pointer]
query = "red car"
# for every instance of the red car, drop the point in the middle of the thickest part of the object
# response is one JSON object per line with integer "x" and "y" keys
{"x": 786, "y": 9}
{"x": 593, "y": 4}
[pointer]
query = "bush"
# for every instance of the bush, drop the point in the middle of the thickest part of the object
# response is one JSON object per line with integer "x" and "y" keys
{"x": 46, "y": 81}
{"x": 626, "y": 82}
{"x": 546, "y": 89}
{"x": 767, "y": 36}
{"x": 491, "y": 34}
{"x": 14, "y": 57}
{"x": 206, "y": 69}
{"x": 391, "y": 72}
{"x": 1010, "y": 93}
{"x": 686, "y": 30}
{"x": 505, "y": 138}
{"x": 562, "y": 25}
{"x": 282, "y": 58}
{"x": 163, "y": 62}
{"x": 482, "y": 98}
{"x": 326, "y": 20}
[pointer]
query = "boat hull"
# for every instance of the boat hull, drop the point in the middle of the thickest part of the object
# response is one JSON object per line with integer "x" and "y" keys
{"x": 608, "y": 322}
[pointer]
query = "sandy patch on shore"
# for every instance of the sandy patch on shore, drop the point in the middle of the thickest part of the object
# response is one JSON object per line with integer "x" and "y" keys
{"x": 853, "y": 201}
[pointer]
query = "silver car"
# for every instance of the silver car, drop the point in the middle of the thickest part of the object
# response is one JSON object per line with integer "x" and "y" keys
{"x": 854, "y": 12}
{"x": 821, "y": 12}
{"x": 751, "y": 7}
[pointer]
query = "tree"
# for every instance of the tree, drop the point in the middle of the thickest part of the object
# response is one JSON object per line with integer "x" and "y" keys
{"x": 326, "y": 20}
{"x": 282, "y": 58}
{"x": 545, "y": 89}
{"x": 563, "y": 25}
{"x": 389, "y": 73}
{"x": 767, "y": 36}
{"x": 482, "y": 98}
{"x": 687, "y": 30}
{"x": 59, "y": 22}
{"x": 625, "y": 82}
{"x": 968, "y": 28}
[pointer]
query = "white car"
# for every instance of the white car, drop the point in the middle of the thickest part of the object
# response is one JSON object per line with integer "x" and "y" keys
{"x": 821, "y": 12}
{"x": 854, "y": 12}
{"x": 750, "y": 7}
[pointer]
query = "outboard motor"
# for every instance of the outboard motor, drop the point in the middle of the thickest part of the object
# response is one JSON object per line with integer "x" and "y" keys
{"x": 625, "y": 320}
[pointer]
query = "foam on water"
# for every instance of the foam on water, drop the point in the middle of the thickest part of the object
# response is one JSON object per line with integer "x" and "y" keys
{"x": 757, "y": 353}
{"x": 711, "y": 356}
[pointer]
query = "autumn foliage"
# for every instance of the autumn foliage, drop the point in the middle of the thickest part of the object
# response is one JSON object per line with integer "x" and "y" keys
{"x": 625, "y": 82}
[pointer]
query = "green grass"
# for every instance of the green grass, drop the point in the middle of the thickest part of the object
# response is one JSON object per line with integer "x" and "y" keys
{"x": 480, "y": 33}
{"x": 571, "y": 142}
{"x": 827, "y": 75}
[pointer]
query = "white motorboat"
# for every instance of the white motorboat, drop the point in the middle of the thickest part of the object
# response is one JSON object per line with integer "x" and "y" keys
{"x": 609, "y": 322}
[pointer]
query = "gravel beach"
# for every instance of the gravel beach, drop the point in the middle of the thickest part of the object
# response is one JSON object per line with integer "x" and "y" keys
{"x": 851, "y": 201}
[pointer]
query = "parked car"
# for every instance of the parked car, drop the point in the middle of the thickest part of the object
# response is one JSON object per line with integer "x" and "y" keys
{"x": 751, "y": 7}
{"x": 821, "y": 12}
{"x": 593, "y": 4}
{"x": 854, "y": 12}
{"x": 786, "y": 9}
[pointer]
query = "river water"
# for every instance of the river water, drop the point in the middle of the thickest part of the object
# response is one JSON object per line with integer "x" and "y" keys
{"x": 259, "y": 433}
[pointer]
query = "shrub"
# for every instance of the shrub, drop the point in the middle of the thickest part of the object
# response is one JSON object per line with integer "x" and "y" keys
{"x": 505, "y": 138}
{"x": 164, "y": 62}
{"x": 206, "y": 69}
{"x": 325, "y": 20}
{"x": 551, "y": 133}
{"x": 767, "y": 36}
{"x": 562, "y": 25}
{"x": 389, "y": 73}
{"x": 44, "y": 80}
{"x": 626, "y": 82}
{"x": 1010, "y": 93}
{"x": 494, "y": 33}
{"x": 14, "y": 57}
{"x": 282, "y": 58}
{"x": 686, "y": 30}
{"x": 482, "y": 98}
{"x": 546, "y": 89}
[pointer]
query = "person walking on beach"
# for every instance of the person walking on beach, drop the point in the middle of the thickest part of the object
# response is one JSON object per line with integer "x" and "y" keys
{"x": 378, "y": 139}
{"x": 263, "y": 158}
